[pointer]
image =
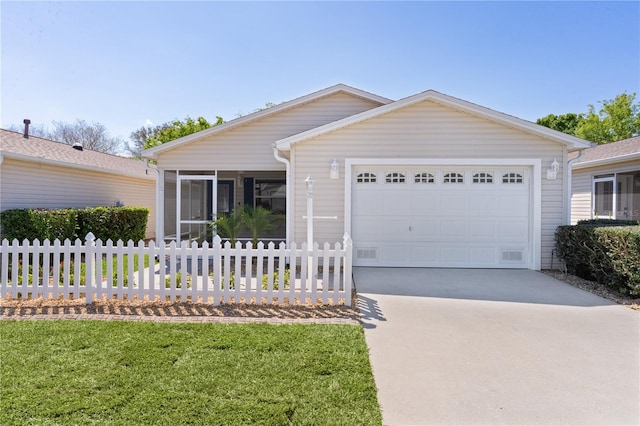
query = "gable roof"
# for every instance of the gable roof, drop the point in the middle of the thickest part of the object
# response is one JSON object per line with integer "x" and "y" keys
{"x": 35, "y": 149}
{"x": 612, "y": 152}
{"x": 153, "y": 152}
{"x": 571, "y": 142}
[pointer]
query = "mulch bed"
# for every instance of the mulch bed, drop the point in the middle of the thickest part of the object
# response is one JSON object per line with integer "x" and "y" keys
{"x": 24, "y": 307}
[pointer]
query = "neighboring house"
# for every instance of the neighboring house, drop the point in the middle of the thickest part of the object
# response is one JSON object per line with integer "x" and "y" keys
{"x": 597, "y": 172}
{"x": 429, "y": 180}
{"x": 40, "y": 173}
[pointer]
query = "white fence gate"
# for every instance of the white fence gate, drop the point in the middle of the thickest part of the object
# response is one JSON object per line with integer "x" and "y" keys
{"x": 216, "y": 273}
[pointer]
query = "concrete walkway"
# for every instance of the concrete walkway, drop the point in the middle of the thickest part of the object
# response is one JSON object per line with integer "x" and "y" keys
{"x": 470, "y": 347}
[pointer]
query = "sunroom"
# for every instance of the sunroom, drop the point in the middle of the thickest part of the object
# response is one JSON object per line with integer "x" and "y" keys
{"x": 191, "y": 201}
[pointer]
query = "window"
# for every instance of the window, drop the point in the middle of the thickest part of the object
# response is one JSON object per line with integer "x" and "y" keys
{"x": 483, "y": 177}
{"x": 424, "y": 177}
{"x": 271, "y": 194}
{"x": 512, "y": 177}
{"x": 453, "y": 177}
{"x": 395, "y": 177}
{"x": 366, "y": 177}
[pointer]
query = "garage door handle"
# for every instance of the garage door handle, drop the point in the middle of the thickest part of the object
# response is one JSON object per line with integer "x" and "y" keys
{"x": 411, "y": 228}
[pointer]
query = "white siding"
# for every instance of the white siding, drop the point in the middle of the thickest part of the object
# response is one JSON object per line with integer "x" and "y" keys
{"x": 581, "y": 186}
{"x": 32, "y": 185}
{"x": 249, "y": 147}
{"x": 423, "y": 130}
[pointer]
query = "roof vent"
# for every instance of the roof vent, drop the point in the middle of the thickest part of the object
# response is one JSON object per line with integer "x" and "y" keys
{"x": 77, "y": 146}
{"x": 26, "y": 122}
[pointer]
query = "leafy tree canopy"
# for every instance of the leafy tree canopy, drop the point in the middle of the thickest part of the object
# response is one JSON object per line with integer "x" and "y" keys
{"x": 615, "y": 120}
{"x": 178, "y": 129}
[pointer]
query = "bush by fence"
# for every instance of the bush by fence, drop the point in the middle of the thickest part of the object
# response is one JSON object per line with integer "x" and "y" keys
{"x": 609, "y": 255}
{"x": 114, "y": 223}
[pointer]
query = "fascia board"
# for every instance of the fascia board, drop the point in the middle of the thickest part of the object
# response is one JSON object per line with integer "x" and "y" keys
{"x": 571, "y": 142}
{"x": 40, "y": 160}
{"x": 605, "y": 161}
{"x": 152, "y": 153}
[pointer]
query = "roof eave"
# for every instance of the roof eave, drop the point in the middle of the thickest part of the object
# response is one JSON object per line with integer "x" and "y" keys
{"x": 48, "y": 161}
{"x": 605, "y": 161}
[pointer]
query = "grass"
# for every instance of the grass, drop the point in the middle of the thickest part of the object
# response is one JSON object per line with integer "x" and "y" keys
{"x": 127, "y": 373}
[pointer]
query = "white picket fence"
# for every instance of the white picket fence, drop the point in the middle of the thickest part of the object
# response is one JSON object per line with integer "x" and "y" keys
{"x": 208, "y": 273}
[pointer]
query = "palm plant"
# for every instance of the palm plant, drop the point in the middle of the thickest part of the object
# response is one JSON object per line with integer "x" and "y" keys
{"x": 229, "y": 226}
{"x": 257, "y": 221}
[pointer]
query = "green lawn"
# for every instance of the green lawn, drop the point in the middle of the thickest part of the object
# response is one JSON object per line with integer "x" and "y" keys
{"x": 128, "y": 373}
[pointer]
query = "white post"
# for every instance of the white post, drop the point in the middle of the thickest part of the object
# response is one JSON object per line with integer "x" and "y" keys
{"x": 309, "y": 182}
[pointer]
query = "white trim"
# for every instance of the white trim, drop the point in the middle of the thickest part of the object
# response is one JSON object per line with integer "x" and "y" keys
{"x": 153, "y": 152}
{"x": 40, "y": 160}
{"x": 604, "y": 161}
{"x": 570, "y": 141}
{"x": 535, "y": 257}
{"x": 214, "y": 198}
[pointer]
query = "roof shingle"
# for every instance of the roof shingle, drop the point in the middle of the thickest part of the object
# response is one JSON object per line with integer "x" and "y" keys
{"x": 44, "y": 149}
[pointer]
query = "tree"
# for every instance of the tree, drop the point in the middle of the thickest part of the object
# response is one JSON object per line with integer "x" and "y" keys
{"x": 178, "y": 129}
{"x": 617, "y": 119}
{"x": 565, "y": 123}
{"x": 139, "y": 138}
{"x": 93, "y": 136}
{"x": 257, "y": 221}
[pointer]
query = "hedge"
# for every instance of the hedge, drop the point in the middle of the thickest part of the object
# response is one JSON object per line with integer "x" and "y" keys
{"x": 609, "y": 255}
{"x": 113, "y": 223}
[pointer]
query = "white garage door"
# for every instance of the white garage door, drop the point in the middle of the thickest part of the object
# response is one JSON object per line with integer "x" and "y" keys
{"x": 473, "y": 217}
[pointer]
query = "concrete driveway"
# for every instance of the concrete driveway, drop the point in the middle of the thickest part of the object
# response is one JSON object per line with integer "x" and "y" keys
{"x": 470, "y": 347}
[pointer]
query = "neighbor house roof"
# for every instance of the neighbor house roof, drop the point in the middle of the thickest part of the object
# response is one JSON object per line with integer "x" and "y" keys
{"x": 152, "y": 152}
{"x": 45, "y": 151}
{"x": 612, "y": 152}
{"x": 571, "y": 142}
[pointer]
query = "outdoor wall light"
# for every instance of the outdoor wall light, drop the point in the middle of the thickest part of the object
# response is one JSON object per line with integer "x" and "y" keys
{"x": 309, "y": 182}
{"x": 552, "y": 171}
{"x": 335, "y": 170}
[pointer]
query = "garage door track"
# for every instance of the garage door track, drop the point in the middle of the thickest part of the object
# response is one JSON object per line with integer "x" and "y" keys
{"x": 468, "y": 347}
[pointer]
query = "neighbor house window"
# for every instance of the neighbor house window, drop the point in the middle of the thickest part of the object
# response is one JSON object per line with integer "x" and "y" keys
{"x": 512, "y": 177}
{"x": 424, "y": 177}
{"x": 366, "y": 177}
{"x": 271, "y": 194}
{"x": 453, "y": 177}
{"x": 395, "y": 177}
{"x": 483, "y": 177}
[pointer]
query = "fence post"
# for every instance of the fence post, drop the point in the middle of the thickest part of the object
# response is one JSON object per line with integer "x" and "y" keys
{"x": 348, "y": 247}
{"x": 90, "y": 262}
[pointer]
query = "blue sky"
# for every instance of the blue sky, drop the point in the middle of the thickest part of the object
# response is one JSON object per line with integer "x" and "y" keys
{"x": 124, "y": 64}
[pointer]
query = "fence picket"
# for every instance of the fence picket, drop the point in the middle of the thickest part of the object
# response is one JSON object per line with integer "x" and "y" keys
{"x": 40, "y": 269}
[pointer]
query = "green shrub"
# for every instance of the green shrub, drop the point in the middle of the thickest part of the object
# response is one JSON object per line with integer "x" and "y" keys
{"x": 609, "y": 255}
{"x": 41, "y": 224}
{"x": 113, "y": 223}
{"x": 608, "y": 222}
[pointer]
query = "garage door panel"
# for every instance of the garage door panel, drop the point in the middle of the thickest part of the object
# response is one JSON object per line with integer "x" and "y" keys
{"x": 470, "y": 224}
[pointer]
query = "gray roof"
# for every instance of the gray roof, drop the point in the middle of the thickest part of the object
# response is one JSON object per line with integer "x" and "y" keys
{"x": 14, "y": 145}
{"x": 611, "y": 152}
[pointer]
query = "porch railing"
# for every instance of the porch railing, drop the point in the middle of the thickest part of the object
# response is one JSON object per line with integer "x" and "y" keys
{"x": 208, "y": 273}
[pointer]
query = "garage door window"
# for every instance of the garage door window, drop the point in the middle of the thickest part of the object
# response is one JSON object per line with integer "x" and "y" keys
{"x": 483, "y": 177}
{"x": 395, "y": 177}
{"x": 424, "y": 177}
{"x": 366, "y": 177}
{"x": 512, "y": 177}
{"x": 453, "y": 177}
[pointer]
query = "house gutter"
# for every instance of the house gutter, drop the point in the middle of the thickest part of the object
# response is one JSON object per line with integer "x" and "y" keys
{"x": 287, "y": 163}
{"x": 570, "y": 164}
{"x": 159, "y": 200}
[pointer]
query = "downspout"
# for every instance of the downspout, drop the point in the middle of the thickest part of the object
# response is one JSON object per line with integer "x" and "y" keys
{"x": 570, "y": 164}
{"x": 287, "y": 163}
{"x": 159, "y": 201}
